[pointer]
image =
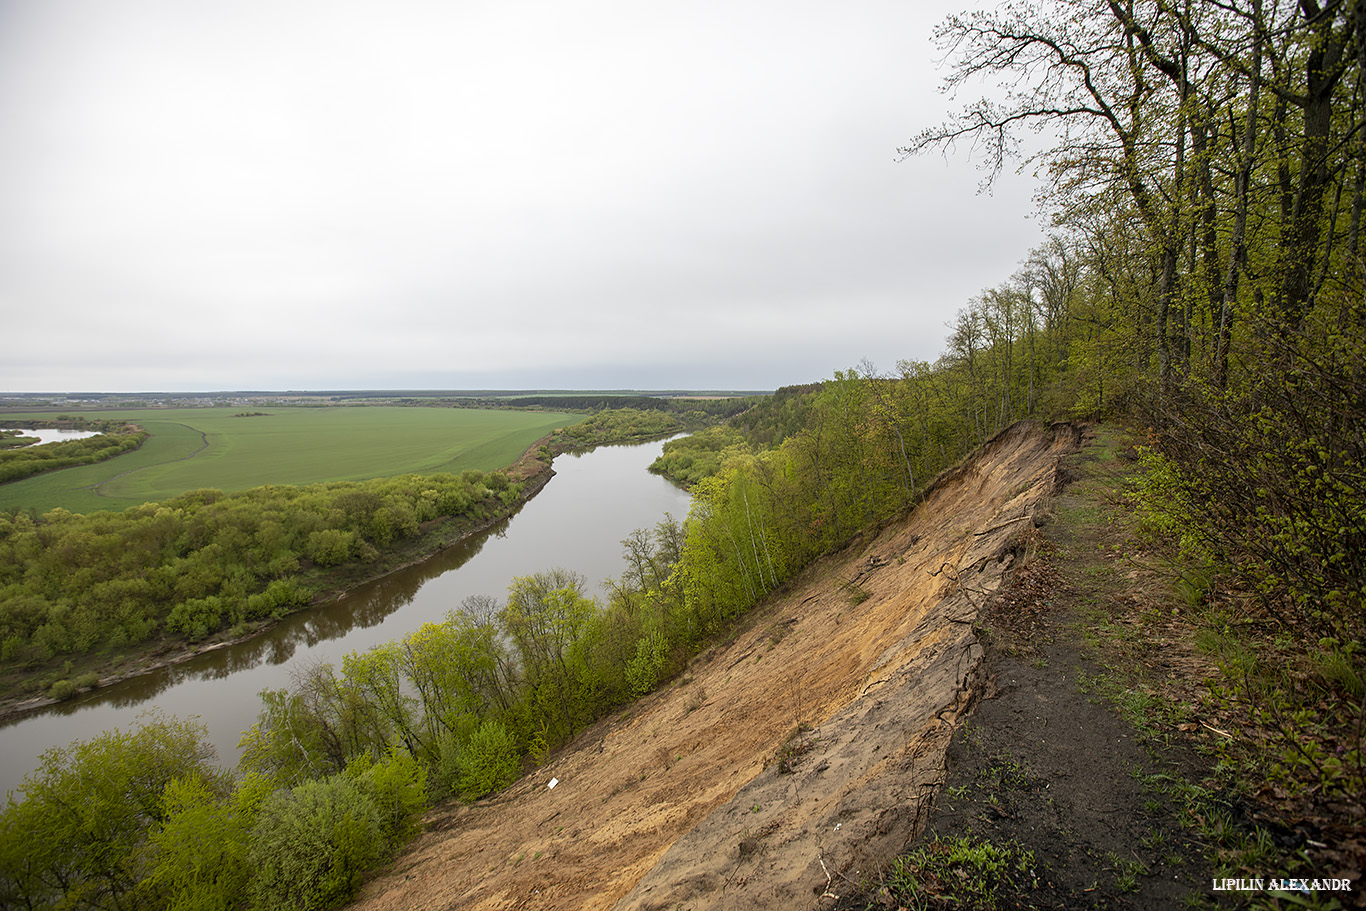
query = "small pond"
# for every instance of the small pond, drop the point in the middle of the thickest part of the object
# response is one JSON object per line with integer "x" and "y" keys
{"x": 53, "y": 435}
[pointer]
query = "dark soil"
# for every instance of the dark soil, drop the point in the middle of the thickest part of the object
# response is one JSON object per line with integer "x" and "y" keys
{"x": 1044, "y": 765}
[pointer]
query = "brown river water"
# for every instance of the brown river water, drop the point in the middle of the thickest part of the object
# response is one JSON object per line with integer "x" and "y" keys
{"x": 577, "y": 521}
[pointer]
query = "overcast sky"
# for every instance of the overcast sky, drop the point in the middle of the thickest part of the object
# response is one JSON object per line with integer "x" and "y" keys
{"x": 280, "y": 194}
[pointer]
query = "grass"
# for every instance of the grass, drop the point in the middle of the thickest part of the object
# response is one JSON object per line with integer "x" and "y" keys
{"x": 960, "y": 872}
{"x": 1127, "y": 871}
{"x": 192, "y": 448}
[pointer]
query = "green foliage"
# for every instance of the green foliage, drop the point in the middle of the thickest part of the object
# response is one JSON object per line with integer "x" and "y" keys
{"x": 544, "y": 617}
{"x": 619, "y": 425}
{"x": 397, "y": 784}
{"x": 427, "y": 692}
{"x": 487, "y": 761}
{"x": 205, "y": 561}
{"x": 14, "y": 439}
{"x": 301, "y": 733}
{"x": 764, "y": 424}
{"x": 689, "y": 459}
{"x": 311, "y": 845}
{"x": 1290, "y": 521}
{"x": 463, "y": 696}
{"x": 770, "y": 420}
{"x": 80, "y": 834}
{"x": 373, "y": 700}
{"x": 142, "y": 820}
{"x": 1215, "y": 286}
{"x": 599, "y": 401}
{"x": 643, "y": 671}
{"x": 459, "y": 670}
{"x": 963, "y": 873}
{"x": 16, "y": 464}
{"x": 201, "y": 848}
{"x": 331, "y": 546}
{"x": 196, "y": 618}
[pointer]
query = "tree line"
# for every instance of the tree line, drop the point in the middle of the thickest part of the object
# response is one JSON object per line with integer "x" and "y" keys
{"x": 1208, "y": 181}
{"x": 144, "y": 819}
{"x": 626, "y": 425}
{"x": 594, "y": 402}
{"x": 207, "y": 561}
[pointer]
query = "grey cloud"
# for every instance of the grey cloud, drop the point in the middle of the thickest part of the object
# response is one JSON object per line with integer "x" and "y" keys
{"x": 408, "y": 194}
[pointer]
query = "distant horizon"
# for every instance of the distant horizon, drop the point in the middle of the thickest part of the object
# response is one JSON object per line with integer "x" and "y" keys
{"x": 418, "y": 392}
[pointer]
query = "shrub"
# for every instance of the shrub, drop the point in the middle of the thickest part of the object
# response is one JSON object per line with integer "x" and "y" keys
{"x": 278, "y": 598}
{"x": 642, "y": 672}
{"x": 196, "y": 618}
{"x": 78, "y": 837}
{"x": 485, "y": 762}
{"x": 199, "y": 861}
{"x": 398, "y": 786}
{"x": 311, "y": 846}
{"x": 331, "y": 546}
{"x": 63, "y": 690}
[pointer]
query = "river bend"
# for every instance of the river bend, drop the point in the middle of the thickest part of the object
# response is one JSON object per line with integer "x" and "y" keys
{"x": 577, "y": 521}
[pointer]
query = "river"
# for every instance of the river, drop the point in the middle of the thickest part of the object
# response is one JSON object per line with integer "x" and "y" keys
{"x": 577, "y": 521}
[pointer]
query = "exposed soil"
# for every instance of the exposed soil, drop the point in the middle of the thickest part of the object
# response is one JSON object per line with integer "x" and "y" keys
{"x": 784, "y": 766}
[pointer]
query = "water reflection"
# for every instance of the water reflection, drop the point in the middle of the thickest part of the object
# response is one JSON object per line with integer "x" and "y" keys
{"x": 52, "y": 434}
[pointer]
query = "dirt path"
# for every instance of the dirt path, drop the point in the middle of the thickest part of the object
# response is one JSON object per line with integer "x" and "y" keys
{"x": 710, "y": 793}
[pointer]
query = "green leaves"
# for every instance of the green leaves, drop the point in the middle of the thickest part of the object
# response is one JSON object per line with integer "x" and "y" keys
{"x": 200, "y": 852}
{"x": 205, "y": 561}
{"x": 311, "y": 846}
{"x": 643, "y": 671}
{"x": 487, "y": 761}
{"x": 81, "y": 832}
{"x": 23, "y": 463}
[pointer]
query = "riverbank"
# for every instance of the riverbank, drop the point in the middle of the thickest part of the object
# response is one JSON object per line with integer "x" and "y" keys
{"x": 533, "y": 469}
{"x": 1024, "y": 708}
{"x": 804, "y": 747}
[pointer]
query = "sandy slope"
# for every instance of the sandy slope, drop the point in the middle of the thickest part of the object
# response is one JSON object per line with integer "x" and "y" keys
{"x": 685, "y": 801}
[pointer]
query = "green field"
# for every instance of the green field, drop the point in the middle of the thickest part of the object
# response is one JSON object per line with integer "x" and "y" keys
{"x": 191, "y": 448}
